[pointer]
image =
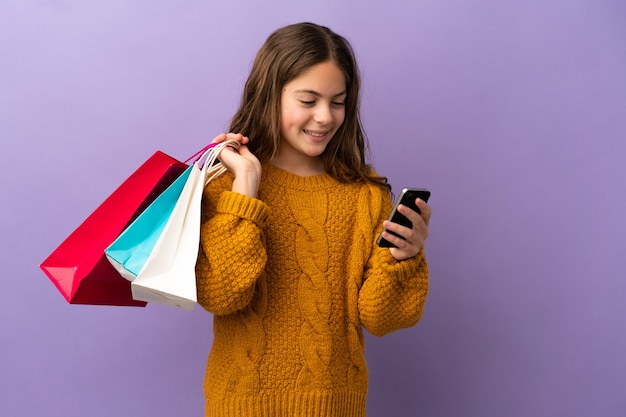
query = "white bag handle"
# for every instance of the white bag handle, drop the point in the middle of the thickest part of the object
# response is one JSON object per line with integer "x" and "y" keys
{"x": 207, "y": 161}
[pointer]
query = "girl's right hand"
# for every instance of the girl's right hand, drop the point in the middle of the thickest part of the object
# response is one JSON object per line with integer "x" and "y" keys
{"x": 242, "y": 163}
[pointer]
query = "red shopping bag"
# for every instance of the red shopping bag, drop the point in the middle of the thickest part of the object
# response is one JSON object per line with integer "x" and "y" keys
{"x": 78, "y": 267}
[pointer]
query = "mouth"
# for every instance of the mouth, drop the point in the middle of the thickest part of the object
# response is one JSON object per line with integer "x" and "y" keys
{"x": 316, "y": 134}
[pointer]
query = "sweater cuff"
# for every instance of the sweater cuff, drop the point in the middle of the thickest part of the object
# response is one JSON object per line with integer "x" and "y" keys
{"x": 408, "y": 271}
{"x": 242, "y": 206}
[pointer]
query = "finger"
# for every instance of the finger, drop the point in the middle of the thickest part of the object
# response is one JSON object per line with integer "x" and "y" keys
{"x": 228, "y": 155}
{"x": 390, "y": 237}
{"x": 410, "y": 214}
{"x": 244, "y": 151}
{"x": 396, "y": 228}
{"x": 425, "y": 209}
{"x": 237, "y": 137}
{"x": 416, "y": 234}
{"x": 403, "y": 249}
{"x": 409, "y": 246}
{"x": 219, "y": 138}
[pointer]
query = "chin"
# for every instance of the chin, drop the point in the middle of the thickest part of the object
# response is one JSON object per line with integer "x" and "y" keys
{"x": 315, "y": 152}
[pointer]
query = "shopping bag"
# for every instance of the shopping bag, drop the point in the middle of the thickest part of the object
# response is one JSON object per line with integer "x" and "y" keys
{"x": 78, "y": 266}
{"x": 168, "y": 275}
{"x": 130, "y": 250}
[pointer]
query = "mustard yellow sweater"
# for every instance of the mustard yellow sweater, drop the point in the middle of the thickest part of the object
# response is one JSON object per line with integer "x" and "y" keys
{"x": 291, "y": 279}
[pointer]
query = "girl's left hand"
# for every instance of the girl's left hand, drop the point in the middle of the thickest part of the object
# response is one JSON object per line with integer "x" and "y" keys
{"x": 414, "y": 237}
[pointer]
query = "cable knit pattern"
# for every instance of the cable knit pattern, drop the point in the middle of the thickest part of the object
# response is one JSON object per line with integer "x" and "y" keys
{"x": 314, "y": 295}
{"x": 292, "y": 278}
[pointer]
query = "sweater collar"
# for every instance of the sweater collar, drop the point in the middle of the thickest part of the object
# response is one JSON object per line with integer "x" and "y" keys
{"x": 278, "y": 176}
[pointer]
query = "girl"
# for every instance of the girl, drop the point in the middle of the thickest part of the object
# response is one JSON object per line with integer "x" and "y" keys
{"x": 288, "y": 265}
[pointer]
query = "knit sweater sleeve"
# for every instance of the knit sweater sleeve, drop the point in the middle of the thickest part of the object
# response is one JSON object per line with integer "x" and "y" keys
{"x": 232, "y": 252}
{"x": 394, "y": 292}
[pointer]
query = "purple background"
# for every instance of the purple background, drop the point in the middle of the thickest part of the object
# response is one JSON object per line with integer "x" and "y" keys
{"x": 513, "y": 113}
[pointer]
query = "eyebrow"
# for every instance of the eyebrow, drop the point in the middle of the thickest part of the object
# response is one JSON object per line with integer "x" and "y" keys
{"x": 315, "y": 93}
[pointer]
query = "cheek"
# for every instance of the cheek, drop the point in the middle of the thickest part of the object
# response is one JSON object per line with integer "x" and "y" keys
{"x": 292, "y": 117}
{"x": 285, "y": 119}
{"x": 340, "y": 116}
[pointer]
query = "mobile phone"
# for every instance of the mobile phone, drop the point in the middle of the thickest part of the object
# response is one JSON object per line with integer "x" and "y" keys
{"x": 407, "y": 198}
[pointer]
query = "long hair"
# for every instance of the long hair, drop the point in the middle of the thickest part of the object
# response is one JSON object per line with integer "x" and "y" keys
{"x": 286, "y": 54}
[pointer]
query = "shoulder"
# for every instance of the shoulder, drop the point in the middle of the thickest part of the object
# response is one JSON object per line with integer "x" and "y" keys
{"x": 370, "y": 202}
{"x": 379, "y": 201}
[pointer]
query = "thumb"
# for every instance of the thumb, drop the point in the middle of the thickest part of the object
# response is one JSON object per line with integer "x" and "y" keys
{"x": 244, "y": 151}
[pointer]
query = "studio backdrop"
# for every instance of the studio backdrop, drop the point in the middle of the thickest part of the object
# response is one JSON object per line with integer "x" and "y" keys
{"x": 511, "y": 113}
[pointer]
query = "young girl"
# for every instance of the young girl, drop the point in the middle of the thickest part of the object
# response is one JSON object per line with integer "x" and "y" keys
{"x": 288, "y": 263}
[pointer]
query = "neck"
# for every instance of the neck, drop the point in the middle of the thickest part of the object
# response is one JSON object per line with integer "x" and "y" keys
{"x": 301, "y": 168}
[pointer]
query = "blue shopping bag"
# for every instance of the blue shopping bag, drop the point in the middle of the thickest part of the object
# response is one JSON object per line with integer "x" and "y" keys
{"x": 130, "y": 251}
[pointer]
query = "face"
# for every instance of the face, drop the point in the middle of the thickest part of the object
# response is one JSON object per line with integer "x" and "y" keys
{"x": 312, "y": 109}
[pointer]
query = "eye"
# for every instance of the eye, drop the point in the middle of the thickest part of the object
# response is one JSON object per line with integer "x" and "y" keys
{"x": 307, "y": 102}
{"x": 339, "y": 103}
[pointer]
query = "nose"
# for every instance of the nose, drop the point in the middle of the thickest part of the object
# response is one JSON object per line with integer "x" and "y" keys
{"x": 323, "y": 114}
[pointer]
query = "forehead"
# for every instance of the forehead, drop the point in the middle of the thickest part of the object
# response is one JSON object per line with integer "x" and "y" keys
{"x": 324, "y": 79}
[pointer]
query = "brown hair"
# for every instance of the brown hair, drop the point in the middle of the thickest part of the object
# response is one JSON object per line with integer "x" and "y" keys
{"x": 287, "y": 53}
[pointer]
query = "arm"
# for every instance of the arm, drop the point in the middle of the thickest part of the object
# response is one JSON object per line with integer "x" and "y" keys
{"x": 396, "y": 280}
{"x": 232, "y": 253}
{"x": 393, "y": 294}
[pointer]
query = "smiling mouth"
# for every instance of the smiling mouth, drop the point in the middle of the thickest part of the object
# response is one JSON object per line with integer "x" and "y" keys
{"x": 316, "y": 134}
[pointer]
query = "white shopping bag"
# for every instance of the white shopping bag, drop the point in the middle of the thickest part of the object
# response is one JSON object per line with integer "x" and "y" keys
{"x": 168, "y": 276}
